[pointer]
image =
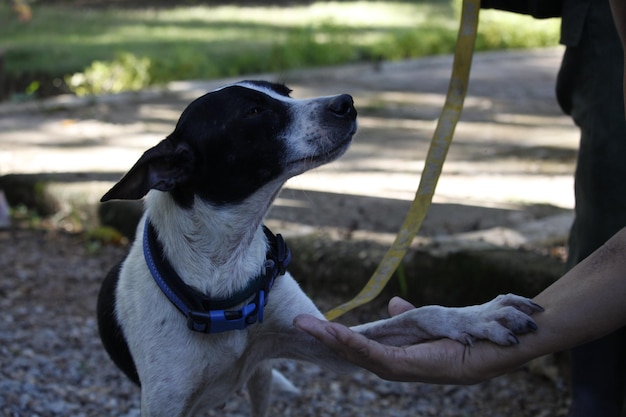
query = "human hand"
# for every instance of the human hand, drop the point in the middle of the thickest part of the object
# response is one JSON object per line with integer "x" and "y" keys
{"x": 437, "y": 361}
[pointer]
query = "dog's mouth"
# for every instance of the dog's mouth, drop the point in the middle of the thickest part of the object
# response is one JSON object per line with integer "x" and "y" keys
{"x": 325, "y": 156}
{"x": 336, "y": 152}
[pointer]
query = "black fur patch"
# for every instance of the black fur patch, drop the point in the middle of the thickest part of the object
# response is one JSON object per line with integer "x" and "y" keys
{"x": 110, "y": 331}
{"x": 235, "y": 136}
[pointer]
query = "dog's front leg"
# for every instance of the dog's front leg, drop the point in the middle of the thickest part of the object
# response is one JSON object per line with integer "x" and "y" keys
{"x": 259, "y": 389}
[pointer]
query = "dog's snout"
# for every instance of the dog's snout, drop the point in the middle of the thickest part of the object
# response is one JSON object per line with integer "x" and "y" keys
{"x": 342, "y": 106}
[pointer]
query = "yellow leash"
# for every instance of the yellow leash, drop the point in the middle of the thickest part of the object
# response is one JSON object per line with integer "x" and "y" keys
{"x": 437, "y": 152}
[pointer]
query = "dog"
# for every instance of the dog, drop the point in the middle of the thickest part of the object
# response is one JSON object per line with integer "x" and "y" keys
{"x": 203, "y": 302}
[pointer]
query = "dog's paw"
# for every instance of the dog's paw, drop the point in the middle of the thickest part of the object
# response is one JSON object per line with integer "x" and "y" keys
{"x": 498, "y": 320}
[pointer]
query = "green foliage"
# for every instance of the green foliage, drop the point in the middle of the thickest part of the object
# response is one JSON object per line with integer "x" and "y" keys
{"x": 403, "y": 286}
{"x": 110, "y": 50}
{"x": 501, "y": 30}
{"x": 325, "y": 44}
{"x": 182, "y": 63}
{"x": 124, "y": 73}
{"x": 25, "y": 217}
{"x": 105, "y": 235}
{"x": 33, "y": 87}
{"x": 412, "y": 43}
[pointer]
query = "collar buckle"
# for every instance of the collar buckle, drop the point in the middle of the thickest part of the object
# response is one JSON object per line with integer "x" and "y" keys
{"x": 218, "y": 321}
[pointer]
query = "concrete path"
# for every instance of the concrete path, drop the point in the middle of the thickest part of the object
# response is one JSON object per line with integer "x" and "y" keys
{"x": 508, "y": 179}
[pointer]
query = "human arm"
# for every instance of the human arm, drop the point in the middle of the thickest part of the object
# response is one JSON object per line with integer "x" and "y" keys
{"x": 586, "y": 303}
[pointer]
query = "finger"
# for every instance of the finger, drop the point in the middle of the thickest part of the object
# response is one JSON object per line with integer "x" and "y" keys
{"x": 385, "y": 361}
{"x": 350, "y": 345}
{"x": 338, "y": 337}
{"x": 315, "y": 327}
{"x": 398, "y": 305}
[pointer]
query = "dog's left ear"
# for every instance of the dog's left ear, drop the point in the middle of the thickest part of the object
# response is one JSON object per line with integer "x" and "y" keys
{"x": 163, "y": 167}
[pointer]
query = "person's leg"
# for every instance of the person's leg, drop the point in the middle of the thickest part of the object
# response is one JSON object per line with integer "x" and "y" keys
{"x": 598, "y": 377}
{"x": 589, "y": 88}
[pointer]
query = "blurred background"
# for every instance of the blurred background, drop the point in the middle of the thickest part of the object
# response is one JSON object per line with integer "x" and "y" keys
{"x": 100, "y": 46}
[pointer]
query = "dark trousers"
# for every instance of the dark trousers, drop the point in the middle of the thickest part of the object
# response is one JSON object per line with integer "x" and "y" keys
{"x": 589, "y": 88}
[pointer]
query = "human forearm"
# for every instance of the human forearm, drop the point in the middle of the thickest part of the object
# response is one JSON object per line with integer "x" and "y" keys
{"x": 586, "y": 303}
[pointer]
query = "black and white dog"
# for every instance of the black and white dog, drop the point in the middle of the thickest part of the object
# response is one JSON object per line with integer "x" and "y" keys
{"x": 202, "y": 303}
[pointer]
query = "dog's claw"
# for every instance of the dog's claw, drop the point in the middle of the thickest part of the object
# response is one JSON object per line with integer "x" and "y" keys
{"x": 499, "y": 320}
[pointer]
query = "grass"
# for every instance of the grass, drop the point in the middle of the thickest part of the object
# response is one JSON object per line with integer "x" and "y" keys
{"x": 208, "y": 42}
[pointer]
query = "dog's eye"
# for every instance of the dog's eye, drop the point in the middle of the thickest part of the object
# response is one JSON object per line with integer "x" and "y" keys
{"x": 254, "y": 111}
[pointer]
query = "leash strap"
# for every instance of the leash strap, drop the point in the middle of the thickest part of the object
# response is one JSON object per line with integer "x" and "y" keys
{"x": 439, "y": 145}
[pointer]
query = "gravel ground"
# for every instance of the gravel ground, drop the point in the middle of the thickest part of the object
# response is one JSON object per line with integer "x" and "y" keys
{"x": 52, "y": 363}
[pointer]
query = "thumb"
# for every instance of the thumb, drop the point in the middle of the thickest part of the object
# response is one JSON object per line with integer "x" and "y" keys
{"x": 398, "y": 305}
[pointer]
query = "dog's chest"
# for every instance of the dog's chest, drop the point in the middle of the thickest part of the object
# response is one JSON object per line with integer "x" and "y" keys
{"x": 158, "y": 336}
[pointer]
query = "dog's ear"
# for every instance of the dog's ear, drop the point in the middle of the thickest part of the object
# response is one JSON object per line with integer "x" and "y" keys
{"x": 163, "y": 167}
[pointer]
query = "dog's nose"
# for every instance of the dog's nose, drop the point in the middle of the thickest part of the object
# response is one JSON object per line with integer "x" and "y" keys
{"x": 342, "y": 106}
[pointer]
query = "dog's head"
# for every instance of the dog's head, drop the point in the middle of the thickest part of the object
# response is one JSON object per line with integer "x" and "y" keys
{"x": 233, "y": 141}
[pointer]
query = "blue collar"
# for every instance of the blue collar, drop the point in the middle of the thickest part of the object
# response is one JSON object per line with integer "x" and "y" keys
{"x": 213, "y": 315}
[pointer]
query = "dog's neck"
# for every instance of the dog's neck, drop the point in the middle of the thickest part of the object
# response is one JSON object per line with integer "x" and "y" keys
{"x": 214, "y": 249}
